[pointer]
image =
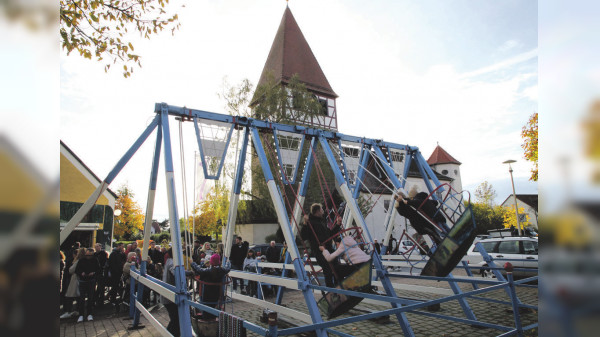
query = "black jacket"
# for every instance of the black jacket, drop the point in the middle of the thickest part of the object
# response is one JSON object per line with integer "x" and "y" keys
{"x": 116, "y": 260}
{"x": 419, "y": 223}
{"x": 272, "y": 254}
{"x": 430, "y": 207}
{"x": 211, "y": 293}
{"x": 238, "y": 254}
{"x": 87, "y": 269}
{"x": 102, "y": 257}
{"x": 156, "y": 256}
{"x": 319, "y": 225}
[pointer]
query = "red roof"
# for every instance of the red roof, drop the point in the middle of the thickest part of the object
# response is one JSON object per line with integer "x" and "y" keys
{"x": 440, "y": 156}
{"x": 290, "y": 54}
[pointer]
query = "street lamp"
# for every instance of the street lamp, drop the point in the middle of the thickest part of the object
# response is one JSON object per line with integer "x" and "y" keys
{"x": 514, "y": 194}
{"x": 116, "y": 213}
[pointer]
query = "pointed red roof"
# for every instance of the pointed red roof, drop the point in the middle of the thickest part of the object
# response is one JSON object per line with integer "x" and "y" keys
{"x": 440, "y": 156}
{"x": 290, "y": 54}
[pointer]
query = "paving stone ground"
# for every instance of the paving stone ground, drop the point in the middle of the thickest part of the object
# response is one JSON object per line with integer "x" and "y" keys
{"x": 108, "y": 323}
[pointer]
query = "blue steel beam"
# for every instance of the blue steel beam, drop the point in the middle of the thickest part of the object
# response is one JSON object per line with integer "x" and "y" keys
{"x": 89, "y": 203}
{"x": 351, "y": 202}
{"x": 244, "y": 121}
{"x": 235, "y": 197}
{"x": 298, "y": 205}
{"x": 364, "y": 160}
{"x": 397, "y": 184}
{"x": 185, "y": 324}
{"x": 203, "y": 158}
{"x": 287, "y": 232}
{"x": 149, "y": 214}
{"x": 396, "y": 310}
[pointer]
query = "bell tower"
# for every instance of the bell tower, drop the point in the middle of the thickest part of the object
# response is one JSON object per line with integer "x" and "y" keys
{"x": 291, "y": 55}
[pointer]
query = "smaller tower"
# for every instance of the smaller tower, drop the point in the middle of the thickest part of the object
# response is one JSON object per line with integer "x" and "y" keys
{"x": 442, "y": 162}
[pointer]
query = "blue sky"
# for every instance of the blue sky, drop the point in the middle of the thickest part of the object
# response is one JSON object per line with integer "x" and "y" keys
{"x": 463, "y": 74}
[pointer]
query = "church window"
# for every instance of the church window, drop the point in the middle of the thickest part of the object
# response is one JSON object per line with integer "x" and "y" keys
{"x": 351, "y": 151}
{"x": 455, "y": 171}
{"x": 323, "y": 103}
{"x": 288, "y": 170}
{"x": 288, "y": 143}
{"x": 445, "y": 172}
{"x": 397, "y": 156}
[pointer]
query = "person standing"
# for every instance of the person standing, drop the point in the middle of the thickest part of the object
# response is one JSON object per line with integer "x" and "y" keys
{"x": 237, "y": 256}
{"x": 169, "y": 277}
{"x": 87, "y": 271}
{"x": 318, "y": 234}
{"x": 283, "y": 252}
{"x": 196, "y": 251}
{"x": 154, "y": 253}
{"x": 116, "y": 260}
{"x": 377, "y": 246}
{"x": 211, "y": 294}
{"x": 101, "y": 279}
{"x": 251, "y": 265}
{"x": 72, "y": 291}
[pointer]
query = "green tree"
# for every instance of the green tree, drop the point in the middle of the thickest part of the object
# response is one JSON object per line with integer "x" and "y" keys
{"x": 130, "y": 222}
{"x": 485, "y": 193}
{"x": 289, "y": 104}
{"x": 529, "y": 133}
{"x": 99, "y": 28}
{"x": 488, "y": 217}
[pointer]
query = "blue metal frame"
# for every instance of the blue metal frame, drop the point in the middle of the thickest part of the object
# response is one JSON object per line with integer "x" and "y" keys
{"x": 293, "y": 180}
{"x": 151, "y": 190}
{"x": 204, "y": 167}
{"x": 284, "y": 223}
{"x": 182, "y": 295}
{"x": 345, "y": 167}
{"x": 235, "y": 194}
{"x": 399, "y": 306}
{"x": 301, "y": 193}
{"x": 351, "y": 202}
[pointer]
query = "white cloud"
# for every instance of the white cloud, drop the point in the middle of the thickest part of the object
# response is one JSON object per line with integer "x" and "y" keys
{"x": 503, "y": 64}
{"x": 509, "y": 45}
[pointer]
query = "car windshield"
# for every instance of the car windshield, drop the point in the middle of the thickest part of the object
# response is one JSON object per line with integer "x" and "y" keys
{"x": 488, "y": 246}
{"x": 530, "y": 247}
{"x": 509, "y": 247}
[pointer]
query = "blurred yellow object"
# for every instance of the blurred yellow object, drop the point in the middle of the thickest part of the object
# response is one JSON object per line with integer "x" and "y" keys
{"x": 591, "y": 128}
{"x": 569, "y": 229}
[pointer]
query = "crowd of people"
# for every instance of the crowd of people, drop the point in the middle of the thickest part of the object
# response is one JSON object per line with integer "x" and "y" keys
{"x": 91, "y": 277}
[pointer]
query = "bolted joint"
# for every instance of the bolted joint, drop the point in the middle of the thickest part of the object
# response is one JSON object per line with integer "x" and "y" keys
{"x": 302, "y": 285}
{"x": 508, "y": 267}
{"x": 272, "y": 318}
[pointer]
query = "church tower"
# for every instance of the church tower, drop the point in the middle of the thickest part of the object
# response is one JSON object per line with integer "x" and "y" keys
{"x": 442, "y": 162}
{"x": 290, "y": 55}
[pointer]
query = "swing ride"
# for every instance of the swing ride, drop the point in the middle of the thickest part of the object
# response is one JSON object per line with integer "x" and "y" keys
{"x": 348, "y": 158}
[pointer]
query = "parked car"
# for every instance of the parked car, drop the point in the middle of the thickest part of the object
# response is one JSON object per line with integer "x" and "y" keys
{"x": 405, "y": 245}
{"x": 262, "y": 248}
{"x": 521, "y": 252}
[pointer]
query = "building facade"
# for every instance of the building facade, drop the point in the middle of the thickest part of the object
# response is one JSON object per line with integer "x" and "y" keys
{"x": 77, "y": 183}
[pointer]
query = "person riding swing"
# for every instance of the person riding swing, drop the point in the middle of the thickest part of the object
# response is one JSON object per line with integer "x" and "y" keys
{"x": 407, "y": 207}
{"x": 349, "y": 250}
{"x": 319, "y": 233}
